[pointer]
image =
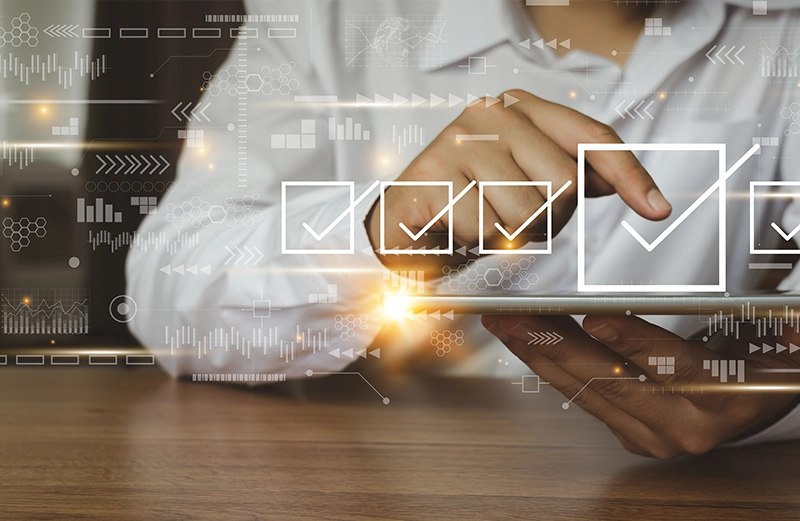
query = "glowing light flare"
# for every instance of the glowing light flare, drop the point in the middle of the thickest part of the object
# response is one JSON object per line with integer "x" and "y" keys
{"x": 396, "y": 306}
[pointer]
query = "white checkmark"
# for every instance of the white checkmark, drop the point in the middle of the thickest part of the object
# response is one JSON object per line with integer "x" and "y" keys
{"x": 345, "y": 213}
{"x": 537, "y": 213}
{"x": 786, "y": 236}
{"x": 416, "y": 236}
{"x": 650, "y": 246}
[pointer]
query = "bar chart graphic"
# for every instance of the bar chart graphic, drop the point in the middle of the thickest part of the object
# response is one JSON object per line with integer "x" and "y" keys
{"x": 97, "y": 213}
{"x": 349, "y": 131}
{"x": 406, "y": 136}
{"x": 45, "y": 311}
{"x": 780, "y": 62}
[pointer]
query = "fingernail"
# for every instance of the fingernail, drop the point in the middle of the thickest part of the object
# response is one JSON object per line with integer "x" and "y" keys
{"x": 498, "y": 332}
{"x": 604, "y": 333}
{"x": 657, "y": 201}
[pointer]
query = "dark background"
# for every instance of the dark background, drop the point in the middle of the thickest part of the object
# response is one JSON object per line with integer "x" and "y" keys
{"x": 132, "y": 61}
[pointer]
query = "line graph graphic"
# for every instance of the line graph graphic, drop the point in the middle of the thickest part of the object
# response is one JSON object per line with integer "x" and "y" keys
{"x": 395, "y": 41}
{"x": 45, "y": 311}
{"x": 780, "y": 62}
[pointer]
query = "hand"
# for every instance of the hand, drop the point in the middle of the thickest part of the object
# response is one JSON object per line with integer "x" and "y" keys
{"x": 666, "y": 415}
{"x": 538, "y": 142}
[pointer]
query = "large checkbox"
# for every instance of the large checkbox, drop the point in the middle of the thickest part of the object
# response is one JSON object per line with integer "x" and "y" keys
{"x": 536, "y": 213}
{"x": 762, "y": 191}
{"x": 415, "y": 236}
{"x": 718, "y": 187}
{"x": 317, "y": 236}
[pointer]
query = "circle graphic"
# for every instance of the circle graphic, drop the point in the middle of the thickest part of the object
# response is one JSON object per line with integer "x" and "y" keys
{"x": 122, "y": 309}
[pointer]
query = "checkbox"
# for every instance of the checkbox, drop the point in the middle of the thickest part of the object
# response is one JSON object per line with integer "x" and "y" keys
{"x": 446, "y": 211}
{"x": 764, "y": 242}
{"x": 718, "y": 188}
{"x": 317, "y": 235}
{"x": 543, "y": 212}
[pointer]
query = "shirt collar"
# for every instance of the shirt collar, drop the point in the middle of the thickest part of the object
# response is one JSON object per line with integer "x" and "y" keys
{"x": 475, "y": 26}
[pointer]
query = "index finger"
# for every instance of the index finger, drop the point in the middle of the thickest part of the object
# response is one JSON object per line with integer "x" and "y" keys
{"x": 643, "y": 343}
{"x": 620, "y": 169}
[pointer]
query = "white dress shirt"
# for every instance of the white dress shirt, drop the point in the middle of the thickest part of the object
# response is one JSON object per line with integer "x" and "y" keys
{"x": 688, "y": 98}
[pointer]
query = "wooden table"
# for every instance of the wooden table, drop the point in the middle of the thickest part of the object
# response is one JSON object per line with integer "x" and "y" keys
{"x": 115, "y": 444}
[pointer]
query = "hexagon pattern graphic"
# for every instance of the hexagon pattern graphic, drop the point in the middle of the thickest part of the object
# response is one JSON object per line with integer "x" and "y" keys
{"x": 20, "y": 231}
{"x": 198, "y": 213}
{"x": 792, "y": 113}
{"x": 233, "y": 81}
{"x": 475, "y": 276}
{"x": 444, "y": 341}
{"x": 21, "y": 33}
{"x": 347, "y": 325}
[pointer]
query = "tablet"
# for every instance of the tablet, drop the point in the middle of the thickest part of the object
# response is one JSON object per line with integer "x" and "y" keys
{"x": 776, "y": 305}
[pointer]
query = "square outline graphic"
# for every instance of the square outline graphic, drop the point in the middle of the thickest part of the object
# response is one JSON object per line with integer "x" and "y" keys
{"x": 753, "y": 184}
{"x": 481, "y": 201}
{"x": 581, "y": 215}
{"x": 382, "y": 248}
{"x": 351, "y": 209}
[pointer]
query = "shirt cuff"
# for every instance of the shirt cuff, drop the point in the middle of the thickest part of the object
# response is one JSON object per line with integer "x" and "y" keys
{"x": 785, "y": 429}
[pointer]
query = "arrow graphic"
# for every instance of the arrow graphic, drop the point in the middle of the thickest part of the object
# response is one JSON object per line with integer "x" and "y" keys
{"x": 549, "y": 338}
{"x": 135, "y": 164}
{"x": 253, "y": 255}
{"x": 720, "y": 57}
{"x": 61, "y": 31}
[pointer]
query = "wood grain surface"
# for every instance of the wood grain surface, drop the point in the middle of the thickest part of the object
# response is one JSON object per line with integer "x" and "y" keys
{"x": 114, "y": 443}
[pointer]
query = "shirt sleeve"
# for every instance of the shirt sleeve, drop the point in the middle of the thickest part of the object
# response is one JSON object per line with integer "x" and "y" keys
{"x": 788, "y": 427}
{"x": 259, "y": 315}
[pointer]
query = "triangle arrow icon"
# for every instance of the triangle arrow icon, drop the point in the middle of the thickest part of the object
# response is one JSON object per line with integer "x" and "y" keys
{"x": 335, "y": 353}
{"x": 179, "y": 269}
{"x": 450, "y": 314}
{"x": 380, "y": 100}
{"x": 367, "y": 250}
{"x": 754, "y": 348}
{"x": 779, "y": 348}
{"x": 539, "y": 43}
{"x": 206, "y": 270}
{"x": 462, "y": 251}
{"x": 437, "y": 315}
{"x": 566, "y": 44}
{"x": 766, "y": 348}
{"x": 526, "y": 43}
{"x": 552, "y": 43}
{"x": 436, "y": 100}
{"x": 166, "y": 269}
{"x": 416, "y": 101}
{"x": 362, "y": 353}
{"x": 508, "y": 100}
{"x": 491, "y": 100}
{"x": 398, "y": 100}
{"x": 471, "y": 99}
{"x": 192, "y": 270}
{"x": 423, "y": 315}
{"x": 453, "y": 100}
{"x": 362, "y": 100}
{"x": 475, "y": 251}
{"x": 793, "y": 348}
{"x": 348, "y": 353}
{"x": 376, "y": 352}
